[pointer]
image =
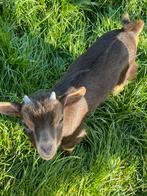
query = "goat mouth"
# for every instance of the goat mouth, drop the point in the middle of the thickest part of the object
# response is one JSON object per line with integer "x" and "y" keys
{"x": 47, "y": 156}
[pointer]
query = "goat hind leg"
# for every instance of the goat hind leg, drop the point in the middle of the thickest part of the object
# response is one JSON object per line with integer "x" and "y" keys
{"x": 130, "y": 74}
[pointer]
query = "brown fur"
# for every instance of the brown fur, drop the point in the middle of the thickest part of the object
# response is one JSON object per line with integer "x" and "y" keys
{"x": 105, "y": 67}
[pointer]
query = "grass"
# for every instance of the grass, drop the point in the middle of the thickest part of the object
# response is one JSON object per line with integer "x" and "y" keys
{"x": 38, "y": 41}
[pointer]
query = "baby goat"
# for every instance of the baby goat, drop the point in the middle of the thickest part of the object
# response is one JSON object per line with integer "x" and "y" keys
{"x": 55, "y": 118}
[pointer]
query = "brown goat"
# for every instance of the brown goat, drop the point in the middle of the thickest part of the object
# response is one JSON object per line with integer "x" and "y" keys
{"x": 55, "y": 118}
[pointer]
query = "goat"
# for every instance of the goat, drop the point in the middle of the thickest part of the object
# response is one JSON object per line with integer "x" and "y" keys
{"x": 55, "y": 118}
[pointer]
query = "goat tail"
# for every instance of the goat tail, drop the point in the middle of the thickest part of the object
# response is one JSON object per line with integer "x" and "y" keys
{"x": 136, "y": 26}
{"x": 125, "y": 19}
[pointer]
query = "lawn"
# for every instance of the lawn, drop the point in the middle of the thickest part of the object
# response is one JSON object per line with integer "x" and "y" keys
{"x": 39, "y": 39}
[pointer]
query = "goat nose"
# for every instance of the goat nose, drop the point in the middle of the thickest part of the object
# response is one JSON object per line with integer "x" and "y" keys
{"x": 46, "y": 148}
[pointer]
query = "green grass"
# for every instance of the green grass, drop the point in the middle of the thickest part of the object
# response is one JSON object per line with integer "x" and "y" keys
{"x": 38, "y": 41}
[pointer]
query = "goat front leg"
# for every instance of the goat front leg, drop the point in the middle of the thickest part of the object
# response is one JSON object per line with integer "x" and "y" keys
{"x": 68, "y": 143}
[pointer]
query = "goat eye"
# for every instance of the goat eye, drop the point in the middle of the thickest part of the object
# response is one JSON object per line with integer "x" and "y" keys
{"x": 61, "y": 120}
{"x": 28, "y": 131}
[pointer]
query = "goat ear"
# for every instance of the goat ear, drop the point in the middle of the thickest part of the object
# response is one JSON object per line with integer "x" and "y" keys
{"x": 11, "y": 109}
{"x": 74, "y": 96}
